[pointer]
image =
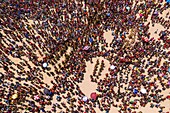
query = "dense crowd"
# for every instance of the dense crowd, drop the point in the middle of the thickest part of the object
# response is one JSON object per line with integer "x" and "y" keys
{"x": 39, "y": 33}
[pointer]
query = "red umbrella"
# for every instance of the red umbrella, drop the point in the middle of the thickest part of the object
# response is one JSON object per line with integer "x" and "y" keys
{"x": 93, "y": 95}
{"x": 168, "y": 97}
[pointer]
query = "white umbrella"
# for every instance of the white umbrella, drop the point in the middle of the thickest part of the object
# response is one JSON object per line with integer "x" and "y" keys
{"x": 143, "y": 91}
{"x": 45, "y": 65}
{"x": 1, "y": 75}
{"x": 128, "y": 8}
{"x": 112, "y": 67}
{"x": 85, "y": 98}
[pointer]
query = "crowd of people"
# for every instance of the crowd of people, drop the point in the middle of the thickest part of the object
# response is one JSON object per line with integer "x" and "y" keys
{"x": 36, "y": 34}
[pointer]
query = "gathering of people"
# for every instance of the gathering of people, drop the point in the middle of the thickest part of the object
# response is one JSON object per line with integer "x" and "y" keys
{"x": 54, "y": 39}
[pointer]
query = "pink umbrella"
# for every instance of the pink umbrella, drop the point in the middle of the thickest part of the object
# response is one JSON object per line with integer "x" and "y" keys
{"x": 86, "y": 48}
{"x": 169, "y": 82}
{"x": 146, "y": 39}
{"x": 36, "y": 97}
{"x": 140, "y": 15}
{"x": 93, "y": 95}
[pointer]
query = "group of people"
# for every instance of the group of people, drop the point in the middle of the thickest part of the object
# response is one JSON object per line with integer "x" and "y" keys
{"x": 36, "y": 34}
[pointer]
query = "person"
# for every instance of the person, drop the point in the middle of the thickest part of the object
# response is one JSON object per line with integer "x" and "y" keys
{"x": 59, "y": 24}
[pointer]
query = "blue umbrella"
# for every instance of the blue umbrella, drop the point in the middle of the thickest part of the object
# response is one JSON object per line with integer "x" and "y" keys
{"x": 90, "y": 40}
{"x": 26, "y": 35}
{"x": 46, "y": 91}
{"x": 135, "y": 91}
{"x": 106, "y": 54}
{"x": 10, "y": 52}
{"x": 140, "y": 25}
{"x": 58, "y": 98}
{"x": 17, "y": 5}
{"x": 42, "y": 109}
{"x": 50, "y": 94}
{"x": 58, "y": 38}
{"x": 163, "y": 33}
{"x": 19, "y": 13}
{"x": 167, "y": 1}
{"x": 169, "y": 69}
{"x": 108, "y": 14}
